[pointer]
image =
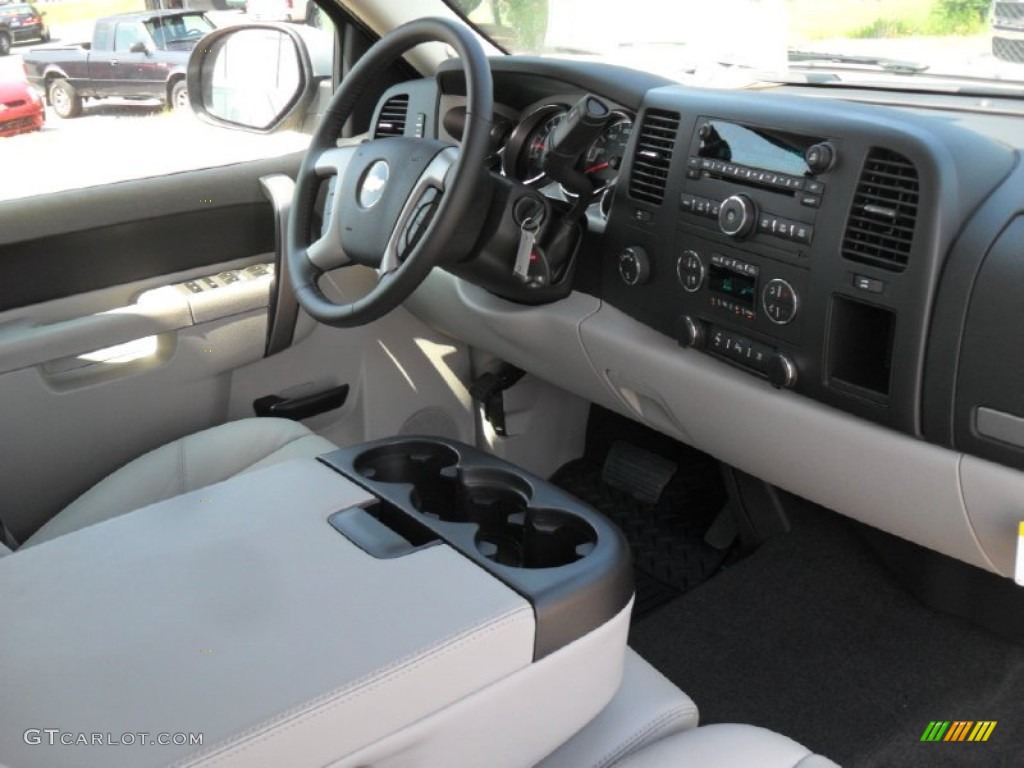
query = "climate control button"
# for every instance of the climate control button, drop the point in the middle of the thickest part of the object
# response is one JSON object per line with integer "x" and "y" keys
{"x": 780, "y": 301}
{"x": 690, "y": 271}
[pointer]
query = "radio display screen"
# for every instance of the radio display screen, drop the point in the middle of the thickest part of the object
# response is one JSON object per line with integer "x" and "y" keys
{"x": 756, "y": 147}
{"x": 742, "y": 289}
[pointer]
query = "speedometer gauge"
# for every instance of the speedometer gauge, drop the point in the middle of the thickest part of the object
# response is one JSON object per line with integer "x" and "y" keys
{"x": 603, "y": 159}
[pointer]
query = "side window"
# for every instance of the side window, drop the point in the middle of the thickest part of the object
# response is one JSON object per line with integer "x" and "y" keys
{"x": 127, "y": 35}
{"x": 88, "y": 126}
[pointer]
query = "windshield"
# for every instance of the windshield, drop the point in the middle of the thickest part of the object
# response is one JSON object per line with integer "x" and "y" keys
{"x": 954, "y": 45}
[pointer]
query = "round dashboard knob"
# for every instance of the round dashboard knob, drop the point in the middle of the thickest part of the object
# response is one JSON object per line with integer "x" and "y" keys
{"x": 782, "y": 373}
{"x": 634, "y": 265}
{"x": 820, "y": 157}
{"x": 737, "y": 216}
{"x": 690, "y": 271}
{"x": 780, "y": 301}
{"x": 690, "y": 332}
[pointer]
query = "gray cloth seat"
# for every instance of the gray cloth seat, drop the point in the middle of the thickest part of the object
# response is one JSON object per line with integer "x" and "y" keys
{"x": 192, "y": 462}
{"x": 646, "y": 708}
{"x": 726, "y": 745}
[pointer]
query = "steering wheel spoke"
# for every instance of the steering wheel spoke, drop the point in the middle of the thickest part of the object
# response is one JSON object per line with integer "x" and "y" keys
{"x": 327, "y": 253}
{"x": 402, "y": 205}
{"x": 418, "y": 209}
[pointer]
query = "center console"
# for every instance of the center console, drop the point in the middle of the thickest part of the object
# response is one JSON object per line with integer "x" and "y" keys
{"x": 409, "y": 601}
{"x": 796, "y": 240}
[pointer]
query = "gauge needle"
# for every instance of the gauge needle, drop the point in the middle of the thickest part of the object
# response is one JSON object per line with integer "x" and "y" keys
{"x": 598, "y": 167}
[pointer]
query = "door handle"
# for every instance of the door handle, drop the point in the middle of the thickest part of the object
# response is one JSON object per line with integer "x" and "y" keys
{"x": 298, "y": 408}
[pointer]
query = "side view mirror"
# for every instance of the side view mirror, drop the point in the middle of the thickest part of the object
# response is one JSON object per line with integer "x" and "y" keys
{"x": 259, "y": 77}
{"x": 139, "y": 47}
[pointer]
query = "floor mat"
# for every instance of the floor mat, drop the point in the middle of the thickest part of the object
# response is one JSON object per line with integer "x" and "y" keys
{"x": 667, "y": 539}
{"x": 811, "y": 637}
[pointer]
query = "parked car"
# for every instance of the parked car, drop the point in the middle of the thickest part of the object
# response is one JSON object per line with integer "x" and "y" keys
{"x": 21, "y": 108}
{"x": 1007, "y": 21}
{"x": 131, "y": 56}
{"x": 20, "y": 22}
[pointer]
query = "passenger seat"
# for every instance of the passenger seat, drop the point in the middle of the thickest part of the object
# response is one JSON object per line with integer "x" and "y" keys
{"x": 650, "y": 723}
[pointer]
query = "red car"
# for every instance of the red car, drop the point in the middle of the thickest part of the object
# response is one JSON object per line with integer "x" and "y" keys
{"x": 21, "y": 108}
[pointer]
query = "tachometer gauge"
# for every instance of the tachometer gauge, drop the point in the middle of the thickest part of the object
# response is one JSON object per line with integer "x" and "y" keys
{"x": 525, "y": 149}
{"x": 603, "y": 159}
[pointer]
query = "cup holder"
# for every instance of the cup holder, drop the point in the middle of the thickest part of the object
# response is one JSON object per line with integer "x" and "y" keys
{"x": 497, "y": 502}
{"x": 430, "y": 468}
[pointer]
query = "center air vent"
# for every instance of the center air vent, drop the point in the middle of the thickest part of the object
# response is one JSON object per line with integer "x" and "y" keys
{"x": 880, "y": 230}
{"x": 391, "y": 121}
{"x": 653, "y": 156}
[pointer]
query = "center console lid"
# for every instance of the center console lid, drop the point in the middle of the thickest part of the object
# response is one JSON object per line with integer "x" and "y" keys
{"x": 248, "y": 613}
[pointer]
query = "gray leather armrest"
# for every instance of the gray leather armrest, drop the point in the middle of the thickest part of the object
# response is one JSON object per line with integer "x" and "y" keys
{"x": 237, "y": 612}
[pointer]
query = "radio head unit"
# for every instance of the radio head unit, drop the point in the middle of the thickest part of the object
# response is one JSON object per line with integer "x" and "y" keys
{"x": 762, "y": 149}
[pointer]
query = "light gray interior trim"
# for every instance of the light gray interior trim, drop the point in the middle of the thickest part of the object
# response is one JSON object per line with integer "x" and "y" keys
{"x": 279, "y": 188}
{"x": 994, "y": 497}
{"x": 516, "y": 721}
{"x": 901, "y": 485}
{"x": 238, "y": 612}
{"x": 724, "y": 745}
{"x": 1000, "y": 426}
{"x": 543, "y": 340}
{"x": 646, "y": 707}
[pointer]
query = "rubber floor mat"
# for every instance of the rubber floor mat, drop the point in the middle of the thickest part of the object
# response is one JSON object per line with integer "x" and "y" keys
{"x": 670, "y": 556}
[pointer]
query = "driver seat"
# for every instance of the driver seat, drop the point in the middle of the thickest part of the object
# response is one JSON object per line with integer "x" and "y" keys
{"x": 191, "y": 462}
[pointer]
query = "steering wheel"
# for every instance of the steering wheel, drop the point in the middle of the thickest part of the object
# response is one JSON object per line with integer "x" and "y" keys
{"x": 400, "y": 204}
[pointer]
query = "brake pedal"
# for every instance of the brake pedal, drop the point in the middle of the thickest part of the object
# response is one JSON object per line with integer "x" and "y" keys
{"x": 639, "y": 473}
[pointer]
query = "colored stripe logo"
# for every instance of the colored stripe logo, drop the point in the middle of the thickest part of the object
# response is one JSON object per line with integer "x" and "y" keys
{"x": 958, "y": 730}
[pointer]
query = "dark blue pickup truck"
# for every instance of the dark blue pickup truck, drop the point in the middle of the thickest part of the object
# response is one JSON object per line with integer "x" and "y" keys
{"x": 132, "y": 56}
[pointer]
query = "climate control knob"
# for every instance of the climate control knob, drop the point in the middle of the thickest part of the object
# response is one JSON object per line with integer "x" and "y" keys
{"x": 782, "y": 373}
{"x": 737, "y": 216}
{"x": 690, "y": 332}
{"x": 780, "y": 301}
{"x": 634, "y": 265}
{"x": 690, "y": 271}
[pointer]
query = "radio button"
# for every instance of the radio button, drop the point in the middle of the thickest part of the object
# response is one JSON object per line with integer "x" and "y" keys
{"x": 687, "y": 202}
{"x": 810, "y": 201}
{"x": 803, "y": 234}
{"x": 690, "y": 271}
{"x": 693, "y": 162}
{"x": 693, "y": 173}
{"x": 814, "y": 187}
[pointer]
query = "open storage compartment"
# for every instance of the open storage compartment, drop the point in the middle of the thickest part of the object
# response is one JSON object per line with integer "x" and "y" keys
{"x": 570, "y": 562}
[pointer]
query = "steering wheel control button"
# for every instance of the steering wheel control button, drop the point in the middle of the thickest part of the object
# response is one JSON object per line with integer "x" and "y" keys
{"x": 634, "y": 266}
{"x": 371, "y": 189}
{"x": 780, "y": 301}
{"x": 690, "y": 271}
{"x": 737, "y": 216}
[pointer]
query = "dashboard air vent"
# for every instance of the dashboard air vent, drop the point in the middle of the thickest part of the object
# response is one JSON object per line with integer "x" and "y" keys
{"x": 653, "y": 156}
{"x": 880, "y": 229}
{"x": 391, "y": 121}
